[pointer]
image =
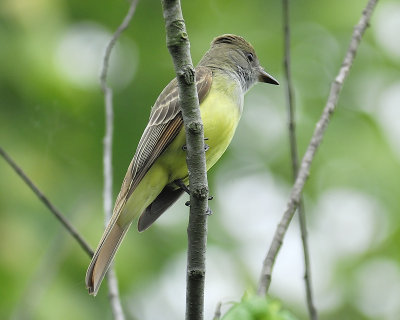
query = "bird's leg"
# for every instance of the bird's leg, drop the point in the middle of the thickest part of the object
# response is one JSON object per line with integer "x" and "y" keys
{"x": 206, "y": 146}
{"x": 179, "y": 183}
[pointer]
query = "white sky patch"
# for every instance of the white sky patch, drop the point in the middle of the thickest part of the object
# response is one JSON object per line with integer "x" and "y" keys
{"x": 262, "y": 117}
{"x": 347, "y": 223}
{"x": 167, "y": 290}
{"x": 252, "y": 207}
{"x": 386, "y": 27}
{"x": 369, "y": 88}
{"x": 378, "y": 294}
{"x": 78, "y": 57}
{"x": 249, "y": 203}
{"x": 388, "y": 113}
{"x": 223, "y": 284}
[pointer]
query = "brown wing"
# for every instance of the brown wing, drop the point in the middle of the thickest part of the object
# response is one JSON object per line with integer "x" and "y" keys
{"x": 164, "y": 124}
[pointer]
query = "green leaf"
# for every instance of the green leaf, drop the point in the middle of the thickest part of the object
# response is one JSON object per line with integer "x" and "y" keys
{"x": 253, "y": 307}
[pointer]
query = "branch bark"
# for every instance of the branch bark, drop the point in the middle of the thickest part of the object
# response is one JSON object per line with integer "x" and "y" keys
{"x": 179, "y": 48}
{"x": 295, "y": 195}
{"x": 59, "y": 216}
{"x": 113, "y": 291}
{"x": 290, "y": 101}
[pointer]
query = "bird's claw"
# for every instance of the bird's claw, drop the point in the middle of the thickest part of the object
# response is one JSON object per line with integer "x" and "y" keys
{"x": 206, "y": 146}
{"x": 208, "y": 211}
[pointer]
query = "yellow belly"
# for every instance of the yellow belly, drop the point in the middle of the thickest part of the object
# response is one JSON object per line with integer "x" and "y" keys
{"x": 220, "y": 113}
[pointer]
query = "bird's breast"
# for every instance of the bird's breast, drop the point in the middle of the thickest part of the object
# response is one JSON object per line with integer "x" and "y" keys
{"x": 220, "y": 113}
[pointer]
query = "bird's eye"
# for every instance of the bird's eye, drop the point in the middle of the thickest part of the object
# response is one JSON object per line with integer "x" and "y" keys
{"x": 250, "y": 57}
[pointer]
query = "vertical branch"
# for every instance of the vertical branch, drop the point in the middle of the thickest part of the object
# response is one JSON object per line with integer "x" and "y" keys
{"x": 107, "y": 157}
{"x": 294, "y": 157}
{"x": 289, "y": 89}
{"x": 111, "y": 44}
{"x": 322, "y": 124}
{"x": 179, "y": 48}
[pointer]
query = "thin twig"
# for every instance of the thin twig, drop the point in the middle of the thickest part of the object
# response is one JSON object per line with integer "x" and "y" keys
{"x": 295, "y": 195}
{"x": 295, "y": 159}
{"x": 107, "y": 157}
{"x": 289, "y": 89}
{"x": 179, "y": 48}
{"x": 48, "y": 204}
{"x": 217, "y": 313}
{"x": 307, "y": 264}
{"x": 111, "y": 44}
{"x": 113, "y": 295}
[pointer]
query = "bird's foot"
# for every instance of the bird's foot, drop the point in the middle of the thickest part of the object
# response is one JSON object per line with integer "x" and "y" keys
{"x": 179, "y": 183}
{"x": 206, "y": 146}
{"x": 208, "y": 211}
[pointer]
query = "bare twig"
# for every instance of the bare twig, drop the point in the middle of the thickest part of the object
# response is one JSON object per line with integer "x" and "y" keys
{"x": 179, "y": 48}
{"x": 217, "y": 313}
{"x": 48, "y": 204}
{"x": 113, "y": 295}
{"x": 316, "y": 139}
{"x": 294, "y": 157}
{"x": 289, "y": 89}
{"x": 110, "y": 46}
{"x": 107, "y": 156}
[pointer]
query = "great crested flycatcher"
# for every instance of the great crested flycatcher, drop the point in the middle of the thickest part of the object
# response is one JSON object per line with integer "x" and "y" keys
{"x": 225, "y": 73}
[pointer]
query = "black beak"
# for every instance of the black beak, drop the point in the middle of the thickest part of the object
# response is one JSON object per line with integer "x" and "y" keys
{"x": 265, "y": 77}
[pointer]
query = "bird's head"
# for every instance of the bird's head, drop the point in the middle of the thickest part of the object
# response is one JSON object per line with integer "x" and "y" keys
{"x": 233, "y": 54}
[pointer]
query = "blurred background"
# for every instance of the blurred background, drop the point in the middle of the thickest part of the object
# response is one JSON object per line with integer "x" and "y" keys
{"x": 52, "y": 124}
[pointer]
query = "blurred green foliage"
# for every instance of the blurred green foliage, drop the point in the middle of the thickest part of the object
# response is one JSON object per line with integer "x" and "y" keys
{"x": 253, "y": 307}
{"x": 52, "y": 124}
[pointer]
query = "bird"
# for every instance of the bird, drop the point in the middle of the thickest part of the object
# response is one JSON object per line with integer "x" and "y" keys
{"x": 157, "y": 175}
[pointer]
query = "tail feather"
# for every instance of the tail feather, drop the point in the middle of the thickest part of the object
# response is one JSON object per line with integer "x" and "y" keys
{"x": 104, "y": 256}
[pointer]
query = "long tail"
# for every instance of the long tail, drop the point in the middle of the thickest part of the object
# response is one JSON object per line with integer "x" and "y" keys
{"x": 104, "y": 255}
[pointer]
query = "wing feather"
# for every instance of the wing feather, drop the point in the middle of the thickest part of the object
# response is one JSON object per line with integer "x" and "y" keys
{"x": 164, "y": 124}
